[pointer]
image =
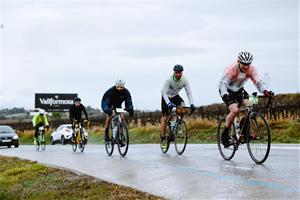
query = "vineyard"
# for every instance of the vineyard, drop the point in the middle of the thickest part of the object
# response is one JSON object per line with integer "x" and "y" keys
{"x": 286, "y": 106}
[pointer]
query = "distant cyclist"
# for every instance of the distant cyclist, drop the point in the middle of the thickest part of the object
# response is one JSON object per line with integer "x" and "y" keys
{"x": 231, "y": 88}
{"x": 170, "y": 95}
{"x": 39, "y": 119}
{"x": 75, "y": 112}
{"x": 113, "y": 98}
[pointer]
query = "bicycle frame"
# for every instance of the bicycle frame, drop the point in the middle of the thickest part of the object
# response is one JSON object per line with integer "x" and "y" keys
{"x": 119, "y": 135}
{"x": 41, "y": 139}
{"x": 117, "y": 120}
{"x": 179, "y": 117}
{"x": 77, "y": 129}
{"x": 177, "y": 131}
{"x": 79, "y": 135}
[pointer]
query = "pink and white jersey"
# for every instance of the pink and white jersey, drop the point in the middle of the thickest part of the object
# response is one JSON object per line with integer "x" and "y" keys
{"x": 234, "y": 79}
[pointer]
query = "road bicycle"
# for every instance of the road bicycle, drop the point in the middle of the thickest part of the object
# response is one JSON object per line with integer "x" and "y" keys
{"x": 177, "y": 130}
{"x": 78, "y": 137}
{"x": 40, "y": 140}
{"x": 249, "y": 127}
{"x": 118, "y": 134}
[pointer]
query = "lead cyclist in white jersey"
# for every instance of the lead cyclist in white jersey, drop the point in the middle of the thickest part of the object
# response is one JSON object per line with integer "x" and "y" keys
{"x": 170, "y": 96}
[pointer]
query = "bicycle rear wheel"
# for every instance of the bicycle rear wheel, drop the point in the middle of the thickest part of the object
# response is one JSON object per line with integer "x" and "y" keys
{"x": 180, "y": 137}
{"x": 81, "y": 144}
{"x": 37, "y": 145}
{"x": 226, "y": 153}
{"x": 258, "y": 138}
{"x": 74, "y": 143}
{"x": 109, "y": 146}
{"x": 123, "y": 139}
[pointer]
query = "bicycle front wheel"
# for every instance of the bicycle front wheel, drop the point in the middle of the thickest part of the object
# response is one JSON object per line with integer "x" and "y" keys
{"x": 228, "y": 152}
{"x": 43, "y": 142}
{"x": 81, "y": 144}
{"x": 37, "y": 145}
{"x": 180, "y": 137}
{"x": 123, "y": 139}
{"x": 258, "y": 138}
{"x": 74, "y": 143}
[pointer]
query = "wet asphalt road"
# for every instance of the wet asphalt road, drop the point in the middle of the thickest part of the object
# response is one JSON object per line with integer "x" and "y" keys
{"x": 200, "y": 173}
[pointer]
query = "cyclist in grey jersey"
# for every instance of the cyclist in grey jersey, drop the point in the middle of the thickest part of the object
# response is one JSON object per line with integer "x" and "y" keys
{"x": 173, "y": 86}
{"x": 170, "y": 95}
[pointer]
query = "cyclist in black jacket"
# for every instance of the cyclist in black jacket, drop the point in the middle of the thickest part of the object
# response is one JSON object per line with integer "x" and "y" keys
{"x": 113, "y": 98}
{"x": 76, "y": 110}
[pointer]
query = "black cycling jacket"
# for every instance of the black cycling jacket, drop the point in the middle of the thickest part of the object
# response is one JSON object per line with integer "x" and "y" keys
{"x": 114, "y": 98}
{"x": 75, "y": 112}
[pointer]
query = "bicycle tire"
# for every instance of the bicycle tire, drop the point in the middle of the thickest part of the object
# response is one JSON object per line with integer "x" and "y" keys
{"x": 258, "y": 138}
{"x": 109, "y": 146}
{"x": 122, "y": 137}
{"x": 43, "y": 142}
{"x": 74, "y": 143}
{"x": 38, "y": 141}
{"x": 181, "y": 135}
{"x": 37, "y": 145}
{"x": 226, "y": 153}
{"x": 81, "y": 143}
{"x": 81, "y": 146}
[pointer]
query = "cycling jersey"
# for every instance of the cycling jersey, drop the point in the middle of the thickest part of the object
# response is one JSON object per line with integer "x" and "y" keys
{"x": 172, "y": 87}
{"x": 234, "y": 79}
{"x": 39, "y": 119}
{"x": 76, "y": 112}
{"x": 115, "y": 98}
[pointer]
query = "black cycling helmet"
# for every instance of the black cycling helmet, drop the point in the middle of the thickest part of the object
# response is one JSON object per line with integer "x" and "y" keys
{"x": 178, "y": 68}
{"x": 77, "y": 99}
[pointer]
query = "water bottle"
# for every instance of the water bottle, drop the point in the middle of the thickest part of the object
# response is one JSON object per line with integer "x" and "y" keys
{"x": 114, "y": 131}
{"x": 172, "y": 125}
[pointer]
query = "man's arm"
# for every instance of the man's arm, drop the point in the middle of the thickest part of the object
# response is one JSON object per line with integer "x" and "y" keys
{"x": 164, "y": 91}
{"x": 34, "y": 120}
{"x": 85, "y": 113}
{"x": 71, "y": 114}
{"x": 128, "y": 103}
{"x": 46, "y": 121}
{"x": 260, "y": 85}
{"x": 188, "y": 92}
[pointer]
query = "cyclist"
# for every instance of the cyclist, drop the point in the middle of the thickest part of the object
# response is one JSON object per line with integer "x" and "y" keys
{"x": 113, "y": 98}
{"x": 38, "y": 120}
{"x": 75, "y": 113}
{"x": 231, "y": 88}
{"x": 170, "y": 95}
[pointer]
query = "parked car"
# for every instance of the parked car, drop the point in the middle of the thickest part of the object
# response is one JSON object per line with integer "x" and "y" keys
{"x": 8, "y": 136}
{"x": 63, "y": 134}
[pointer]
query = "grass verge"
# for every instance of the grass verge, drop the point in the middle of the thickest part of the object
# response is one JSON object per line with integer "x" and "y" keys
{"x": 199, "y": 131}
{"x": 23, "y": 179}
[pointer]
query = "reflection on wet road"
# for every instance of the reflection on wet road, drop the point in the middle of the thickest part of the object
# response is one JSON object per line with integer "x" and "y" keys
{"x": 200, "y": 173}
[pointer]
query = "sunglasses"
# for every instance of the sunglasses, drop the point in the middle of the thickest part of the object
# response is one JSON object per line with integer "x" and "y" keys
{"x": 246, "y": 64}
{"x": 178, "y": 72}
{"x": 120, "y": 87}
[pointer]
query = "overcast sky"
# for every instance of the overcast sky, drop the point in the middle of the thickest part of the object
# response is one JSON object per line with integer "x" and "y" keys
{"x": 84, "y": 46}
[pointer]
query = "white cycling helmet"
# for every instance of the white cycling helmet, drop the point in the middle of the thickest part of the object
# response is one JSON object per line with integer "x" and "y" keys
{"x": 245, "y": 57}
{"x": 120, "y": 82}
{"x": 42, "y": 112}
